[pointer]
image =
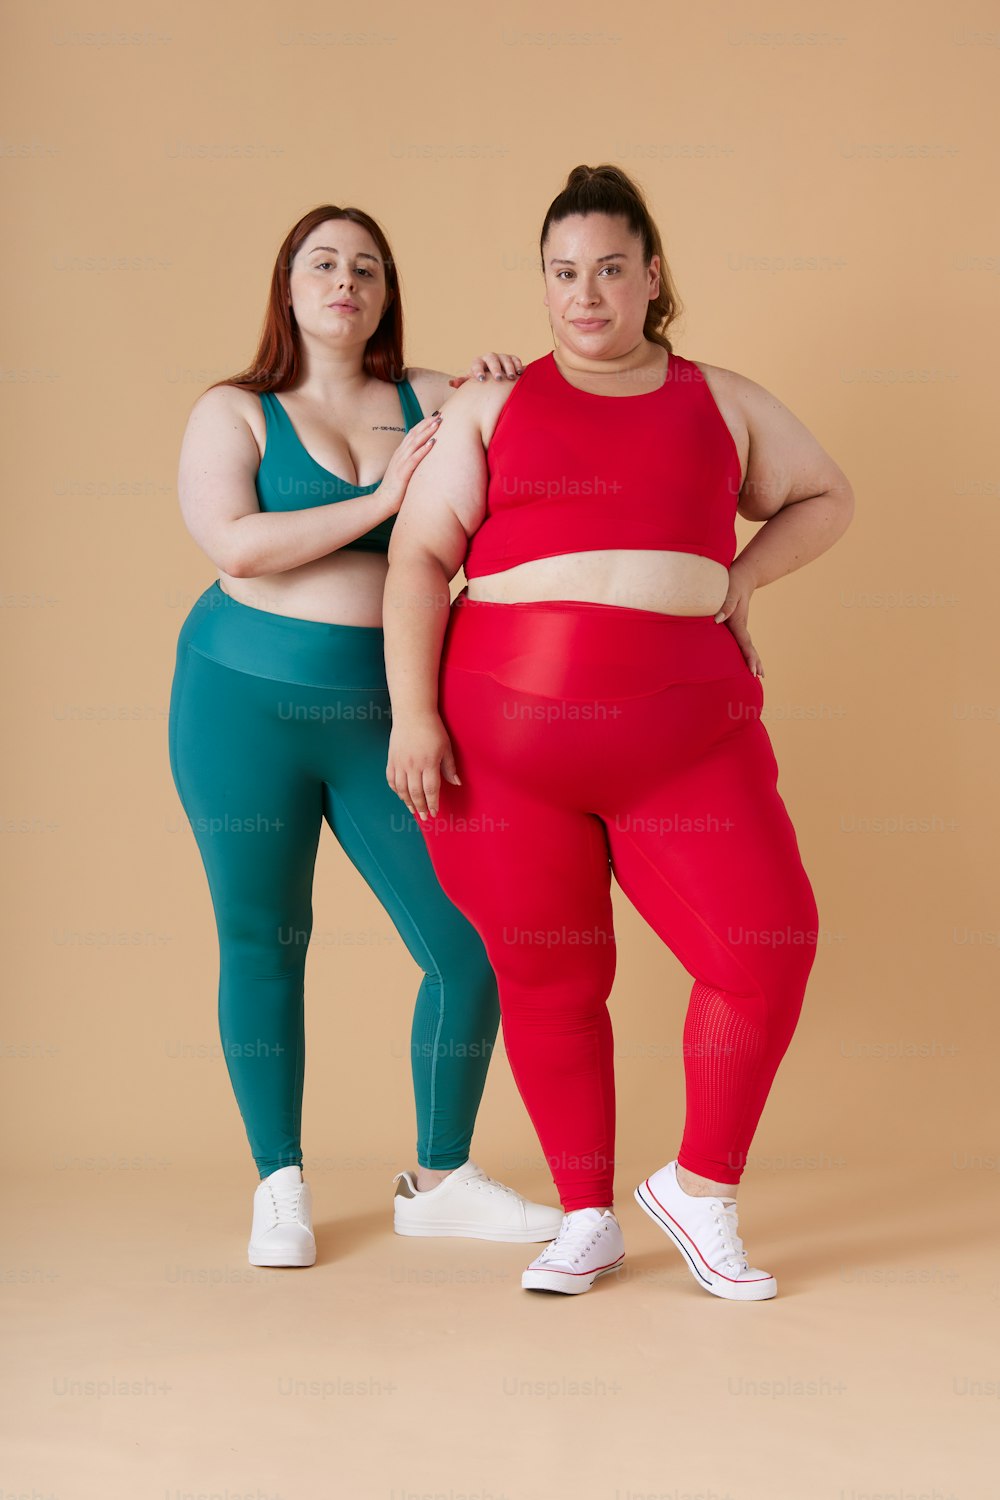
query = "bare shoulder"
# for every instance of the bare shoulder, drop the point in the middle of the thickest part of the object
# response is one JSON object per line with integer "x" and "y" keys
{"x": 786, "y": 461}
{"x": 430, "y": 387}
{"x": 229, "y": 412}
{"x": 224, "y": 400}
{"x": 476, "y": 406}
{"x": 755, "y": 401}
{"x": 484, "y": 397}
{"x": 723, "y": 382}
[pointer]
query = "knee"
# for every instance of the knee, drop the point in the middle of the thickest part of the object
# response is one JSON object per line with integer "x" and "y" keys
{"x": 268, "y": 949}
{"x": 557, "y": 997}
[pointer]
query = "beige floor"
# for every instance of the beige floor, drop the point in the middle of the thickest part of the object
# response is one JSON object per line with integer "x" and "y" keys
{"x": 146, "y": 1357}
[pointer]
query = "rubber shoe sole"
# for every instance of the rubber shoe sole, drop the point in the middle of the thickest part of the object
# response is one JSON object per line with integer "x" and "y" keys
{"x": 456, "y": 1229}
{"x": 278, "y": 1258}
{"x": 711, "y": 1281}
{"x": 571, "y": 1282}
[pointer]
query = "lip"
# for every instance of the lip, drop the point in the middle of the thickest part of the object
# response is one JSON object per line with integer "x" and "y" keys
{"x": 587, "y": 324}
{"x": 344, "y": 306}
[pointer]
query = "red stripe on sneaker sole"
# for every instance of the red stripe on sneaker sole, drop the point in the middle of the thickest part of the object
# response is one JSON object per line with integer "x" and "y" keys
{"x": 596, "y": 1272}
{"x": 735, "y": 1281}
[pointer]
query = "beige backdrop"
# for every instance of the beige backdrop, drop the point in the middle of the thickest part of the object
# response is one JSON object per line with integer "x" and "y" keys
{"x": 823, "y": 179}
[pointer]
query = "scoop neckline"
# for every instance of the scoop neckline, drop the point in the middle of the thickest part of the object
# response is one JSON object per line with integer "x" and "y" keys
{"x": 359, "y": 489}
{"x": 596, "y": 396}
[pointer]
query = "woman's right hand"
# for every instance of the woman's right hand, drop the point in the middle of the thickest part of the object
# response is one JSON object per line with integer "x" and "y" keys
{"x": 420, "y": 754}
{"x": 416, "y": 445}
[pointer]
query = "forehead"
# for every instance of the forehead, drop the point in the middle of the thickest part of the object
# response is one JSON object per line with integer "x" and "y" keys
{"x": 340, "y": 234}
{"x": 592, "y": 235}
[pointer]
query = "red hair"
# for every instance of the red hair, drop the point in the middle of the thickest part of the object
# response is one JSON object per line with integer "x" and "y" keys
{"x": 277, "y": 362}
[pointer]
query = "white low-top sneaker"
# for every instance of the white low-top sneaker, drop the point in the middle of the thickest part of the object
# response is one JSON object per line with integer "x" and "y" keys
{"x": 470, "y": 1204}
{"x": 705, "y": 1232}
{"x": 282, "y": 1233}
{"x": 589, "y": 1244}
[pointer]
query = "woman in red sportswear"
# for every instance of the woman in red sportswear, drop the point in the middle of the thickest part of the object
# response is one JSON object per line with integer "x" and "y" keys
{"x": 589, "y": 706}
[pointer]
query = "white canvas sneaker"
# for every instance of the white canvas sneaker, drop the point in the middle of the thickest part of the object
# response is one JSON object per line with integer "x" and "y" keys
{"x": 282, "y": 1233}
{"x": 468, "y": 1203}
{"x": 589, "y": 1245}
{"x": 705, "y": 1232}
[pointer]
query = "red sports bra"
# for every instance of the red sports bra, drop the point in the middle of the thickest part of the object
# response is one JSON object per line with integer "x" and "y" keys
{"x": 570, "y": 471}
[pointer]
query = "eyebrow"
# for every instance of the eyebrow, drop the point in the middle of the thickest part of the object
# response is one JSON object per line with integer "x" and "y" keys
{"x": 361, "y": 255}
{"x": 615, "y": 255}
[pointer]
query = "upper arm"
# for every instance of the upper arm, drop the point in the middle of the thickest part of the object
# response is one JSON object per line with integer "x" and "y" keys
{"x": 786, "y": 462}
{"x": 445, "y": 500}
{"x": 218, "y": 462}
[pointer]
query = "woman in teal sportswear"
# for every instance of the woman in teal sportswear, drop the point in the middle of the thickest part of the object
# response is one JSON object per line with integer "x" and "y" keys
{"x": 291, "y": 476}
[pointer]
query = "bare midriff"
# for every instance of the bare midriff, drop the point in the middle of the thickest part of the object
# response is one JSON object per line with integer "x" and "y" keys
{"x": 343, "y": 588}
{"x": 674, "y": 583}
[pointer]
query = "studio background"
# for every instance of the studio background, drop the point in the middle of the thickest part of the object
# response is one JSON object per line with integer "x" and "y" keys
{"x": 818, "y": 177}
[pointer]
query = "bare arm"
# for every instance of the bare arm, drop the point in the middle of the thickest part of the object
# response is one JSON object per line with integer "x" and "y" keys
{"x": 433, "y": 387}
{"x": 444, "y": 505}
{"x": 218, "y": 463}
{"x": 794, "y": 487}
{"x": 792, "y": 484}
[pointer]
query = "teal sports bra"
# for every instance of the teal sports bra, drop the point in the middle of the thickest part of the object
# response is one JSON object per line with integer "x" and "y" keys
{"x": 290, "y": 479}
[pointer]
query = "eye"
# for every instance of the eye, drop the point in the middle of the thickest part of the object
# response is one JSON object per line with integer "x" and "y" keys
{"x": 611, "y": 268}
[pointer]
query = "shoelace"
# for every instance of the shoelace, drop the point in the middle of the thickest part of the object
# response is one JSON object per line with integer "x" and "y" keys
{"x": 732, "y": 1245}
{"x": 491, "y": 1185}
{"x": 572, "y": 1240}
{"x": 285, "y": 1204}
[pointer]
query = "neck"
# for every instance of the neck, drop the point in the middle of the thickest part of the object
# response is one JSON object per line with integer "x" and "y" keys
{"x": 635, "y": 358}
{"x": 327, "y": 372}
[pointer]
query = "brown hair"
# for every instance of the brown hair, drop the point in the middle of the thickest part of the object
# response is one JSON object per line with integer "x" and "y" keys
{"x": 276, "y": 364}
{"x": 606, "y": 189}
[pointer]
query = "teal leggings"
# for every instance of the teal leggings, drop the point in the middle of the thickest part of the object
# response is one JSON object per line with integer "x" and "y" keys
{"x": 275, "y": 724}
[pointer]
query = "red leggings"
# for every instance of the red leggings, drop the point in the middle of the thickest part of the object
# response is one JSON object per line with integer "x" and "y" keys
{"x": 591, "y": 740}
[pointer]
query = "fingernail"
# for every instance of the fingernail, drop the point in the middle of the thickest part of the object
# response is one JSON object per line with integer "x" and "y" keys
{"x": 436, "y": 413}
{"x": 480, "y": 377}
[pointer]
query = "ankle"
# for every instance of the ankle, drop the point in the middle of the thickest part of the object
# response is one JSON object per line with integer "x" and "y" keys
{"x": 428, "y": 1178}
{"x": 704, "y": 1187}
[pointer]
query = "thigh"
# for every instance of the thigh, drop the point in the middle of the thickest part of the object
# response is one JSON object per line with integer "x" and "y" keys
{"x": 708, "y": 855}
{"x": 254, "y": 805}
{"x": 381, "y": 838}
{"x": 515, "y": 846}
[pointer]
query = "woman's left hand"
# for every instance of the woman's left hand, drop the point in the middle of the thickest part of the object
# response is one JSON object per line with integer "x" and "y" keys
{"x": 500, "y": 366}
{"x": 734, "y": 612}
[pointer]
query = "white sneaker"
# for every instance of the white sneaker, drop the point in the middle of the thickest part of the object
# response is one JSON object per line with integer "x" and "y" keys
{"x": 589, "y": 1244}
{"x": 282, "y": 1233}
{"x": 705, "y": 1232}
{"x": 469, "y": 1203}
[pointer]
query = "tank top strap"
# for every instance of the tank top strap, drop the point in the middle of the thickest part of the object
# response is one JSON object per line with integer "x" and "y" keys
{"x": 412, "y": 413}
{"x": 281, "y": 438}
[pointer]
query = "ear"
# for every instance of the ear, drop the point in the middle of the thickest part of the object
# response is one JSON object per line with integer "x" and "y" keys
{"x": 654, "y": 277}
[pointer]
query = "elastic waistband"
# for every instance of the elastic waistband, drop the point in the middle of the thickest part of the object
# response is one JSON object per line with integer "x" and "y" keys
{"x": 571, "y": 648}
{"x": 283, "y": 647}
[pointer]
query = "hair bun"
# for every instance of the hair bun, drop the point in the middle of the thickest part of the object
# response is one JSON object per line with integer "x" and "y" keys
{"x": 604, "y": 172}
